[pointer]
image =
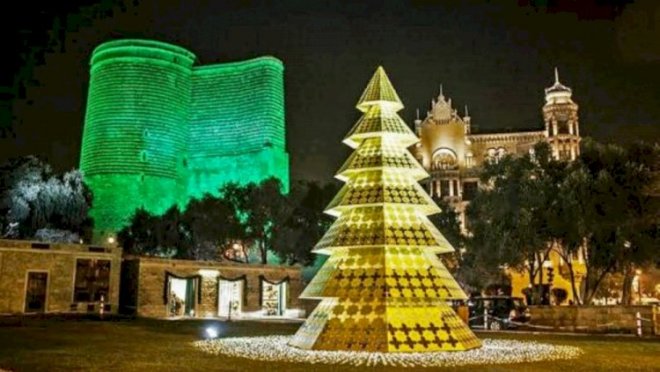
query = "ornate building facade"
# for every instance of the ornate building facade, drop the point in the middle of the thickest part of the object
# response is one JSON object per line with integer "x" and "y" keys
{"x": 453, "y": 154}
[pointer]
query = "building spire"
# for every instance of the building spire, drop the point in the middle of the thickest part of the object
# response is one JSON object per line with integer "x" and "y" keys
{"x": 441, "y": 95}
{"x": 556, "y": 75}
{"x": 417, "y": 114}
{"x": 467, "y": 114}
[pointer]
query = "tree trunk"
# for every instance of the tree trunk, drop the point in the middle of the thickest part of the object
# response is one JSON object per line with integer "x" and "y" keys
{"x": 530, "y": 272}
{"x": 568, "y": 259}
{"x": 264, "y": 252}
{"x": 626, "y": 290}
{"x": 576, "y": 295}
{"x": 245, "y": 253}
{"x": 592, "y": 290}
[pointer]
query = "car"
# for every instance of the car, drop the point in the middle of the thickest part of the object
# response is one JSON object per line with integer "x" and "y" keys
{"x": 504, "y": 312}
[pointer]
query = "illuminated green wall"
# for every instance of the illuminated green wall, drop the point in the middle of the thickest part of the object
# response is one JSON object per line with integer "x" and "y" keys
{"x": 159, "y": 130}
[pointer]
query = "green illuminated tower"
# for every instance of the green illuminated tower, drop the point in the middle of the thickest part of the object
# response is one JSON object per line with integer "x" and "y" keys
{"x": 159, "y": 130}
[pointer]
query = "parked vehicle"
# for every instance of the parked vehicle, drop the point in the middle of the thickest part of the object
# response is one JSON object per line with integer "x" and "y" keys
{"x": 503, "y": 312}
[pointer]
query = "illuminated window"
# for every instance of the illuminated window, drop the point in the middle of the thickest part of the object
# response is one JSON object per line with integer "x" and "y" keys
{"x": 444, "y": 158}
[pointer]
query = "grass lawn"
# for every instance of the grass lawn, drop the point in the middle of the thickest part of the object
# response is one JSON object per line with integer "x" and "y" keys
{"x": 155, "y": 345}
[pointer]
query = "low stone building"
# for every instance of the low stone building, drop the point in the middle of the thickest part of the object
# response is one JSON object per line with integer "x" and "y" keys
{"x": 168, "y": 288}
{"x": 37, "y": 277}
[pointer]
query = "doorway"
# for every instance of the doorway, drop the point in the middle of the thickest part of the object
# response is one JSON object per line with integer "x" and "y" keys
{"x": 182, "y": 296}
{"x": 230, "y": 299}
{"x": 36, "y": 292}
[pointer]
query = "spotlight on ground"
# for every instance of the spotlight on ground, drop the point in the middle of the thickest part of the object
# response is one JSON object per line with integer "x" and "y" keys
{"x": 211, "y": 332}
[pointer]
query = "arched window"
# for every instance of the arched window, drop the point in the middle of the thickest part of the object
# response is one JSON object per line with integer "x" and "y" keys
{"x": 491, "y": 155}
{"x": 444, "y": 158}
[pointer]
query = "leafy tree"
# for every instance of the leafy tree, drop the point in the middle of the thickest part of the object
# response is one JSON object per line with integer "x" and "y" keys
{"x": 163, "y": 236}
{"x": 140, "y": 237}
{"x": 262, "y": 209}
{"x": 618, "y": 218}
{"x": 598, "y": 208}
{"x": 464, "y": 265}
{"x": 36, "y": 202}
{"x": 306, "y": 224}
{"x": 508, "y": 218}
{"x": 449, "y": 224}
{"x": 213, "y": 226}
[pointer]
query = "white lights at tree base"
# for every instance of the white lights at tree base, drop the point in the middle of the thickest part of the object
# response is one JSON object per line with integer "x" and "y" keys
{"x": 277, "y": 349}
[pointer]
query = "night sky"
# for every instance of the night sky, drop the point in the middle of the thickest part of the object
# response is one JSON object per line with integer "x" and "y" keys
{"x": 494, "y": 56}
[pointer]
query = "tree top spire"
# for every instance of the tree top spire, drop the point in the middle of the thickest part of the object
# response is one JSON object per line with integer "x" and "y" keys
{"x": 379, "y": 91}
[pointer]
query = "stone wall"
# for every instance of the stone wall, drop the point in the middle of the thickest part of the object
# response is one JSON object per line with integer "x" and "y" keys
{"x": 593, "y": 319}
{"x": 17, "y": 258}
{"x": 152, "y": 274}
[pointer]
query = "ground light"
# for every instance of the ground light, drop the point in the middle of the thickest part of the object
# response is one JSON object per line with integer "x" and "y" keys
{"x": 493, "y": 352}
{"x": 211, "y": 332}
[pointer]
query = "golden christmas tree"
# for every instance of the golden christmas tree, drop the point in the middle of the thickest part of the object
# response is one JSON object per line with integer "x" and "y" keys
{"x": 383, "y": 288}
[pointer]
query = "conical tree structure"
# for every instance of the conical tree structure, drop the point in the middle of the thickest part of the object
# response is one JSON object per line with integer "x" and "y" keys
{"x": 383, "y": 287}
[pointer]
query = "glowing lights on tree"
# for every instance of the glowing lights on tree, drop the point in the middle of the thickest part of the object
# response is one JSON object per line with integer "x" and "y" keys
{"x": 159, "y": 130}
{"x": 383, "y": 288}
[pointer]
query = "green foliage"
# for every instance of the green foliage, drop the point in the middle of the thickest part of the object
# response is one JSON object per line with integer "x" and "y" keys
{"x": 449, "y": 224}
{"x": 293, "y": 242}
{"x": 35, "y": 201}
{"x": 257, "y": 216}
{"x": 262, "y": 208}
{"x": 508, "y": 218}
{"x": 616, "y": 215}
{"x": 598, "y": 207}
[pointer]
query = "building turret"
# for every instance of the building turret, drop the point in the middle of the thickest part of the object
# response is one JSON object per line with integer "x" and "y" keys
{"x": 136, "y": 129}
{"x": 467, "y": 121}
{"x": 560, "y": 114}
{"x": 418, "y": 124}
